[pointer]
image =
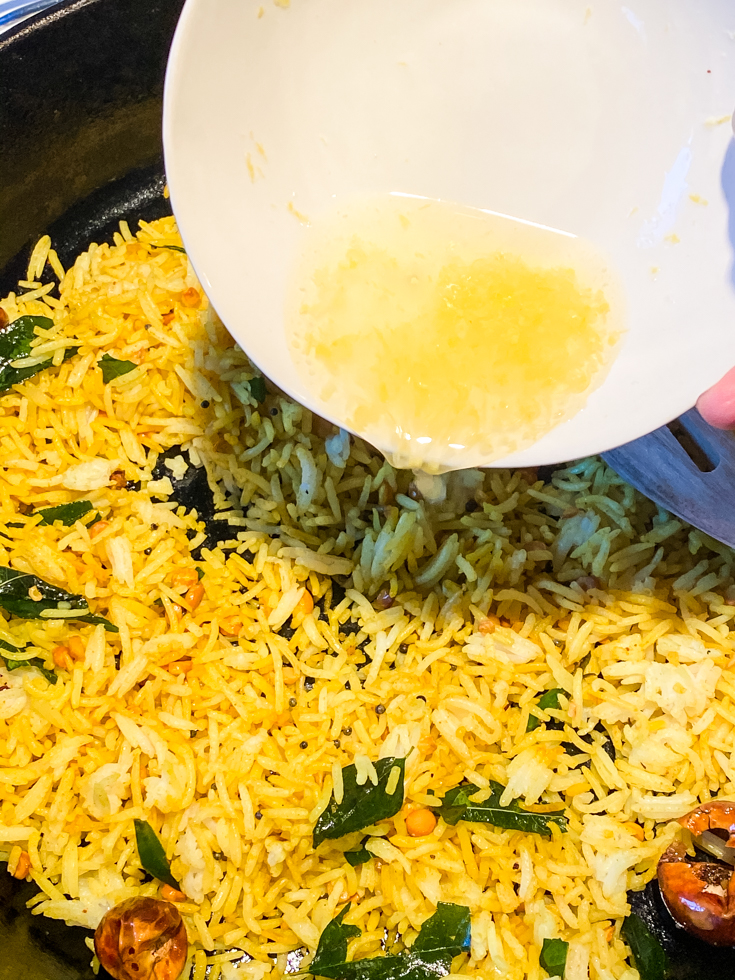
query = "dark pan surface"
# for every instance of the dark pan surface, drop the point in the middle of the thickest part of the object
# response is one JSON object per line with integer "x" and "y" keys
{"x": 139, "y": 194}
{"x": 688, "y": 958}
{"x": 34, "y": 948}
{"x": 80, "y": 106}
{"x": 80, "y": 148}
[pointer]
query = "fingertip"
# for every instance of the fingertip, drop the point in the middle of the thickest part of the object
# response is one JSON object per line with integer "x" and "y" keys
{"x": 717, "y": 404}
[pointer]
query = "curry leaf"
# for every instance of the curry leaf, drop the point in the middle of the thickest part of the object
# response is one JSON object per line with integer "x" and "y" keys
{"x": 363, "y": 805}
{"x": 443, "y": 936}
{"x": 174, "y": 248}
{"x": 447, "y": 931}
{"x": 332, "y": 948}
{"x": 31, "y": 662}
{"x": 648, "y": 954}
{"x": 258, "y": 389}
{"x": 152, "y": 855}
{"x": 553, "y": 956}
{"x": 457, "y": 805}
{"x": 49, "y": 602}
{"x": 16, "y": 338}
{"x": 113, "y": 368}
{"x": 550, "y": 699}
{"x": 13, "y": 664}
{"x": 15, "y": 344}
{"x": 359, "y": 856}
{"x": 68, "y": 514}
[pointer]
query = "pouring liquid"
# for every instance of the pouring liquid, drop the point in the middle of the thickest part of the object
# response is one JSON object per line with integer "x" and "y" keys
{"x": 440, "y": 332}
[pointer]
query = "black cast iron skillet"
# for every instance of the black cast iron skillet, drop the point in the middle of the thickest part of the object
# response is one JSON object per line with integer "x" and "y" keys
{"x": 80, "y": 148}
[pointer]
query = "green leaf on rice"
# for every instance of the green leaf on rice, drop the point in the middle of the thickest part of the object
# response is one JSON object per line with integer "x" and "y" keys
{"x": 68, "y": 514}
{"x": 31, "y": 662}
{"x": 54, "y": 603}
{"x": 113, "y": 368}
{"x": 649, "y": 957}
{"x": 458, "y": 805}
{"x": 258, "y": 389}
{"x": 332, "y": 949}
{"x": 549, "y": 699}
{"x": 553, "y": 957}
{"x": 363, "y": 805}
{"x": 16, "y": 344}
{"x": 13, "y": 664}
{"x": 443, "y": 936}
{"x": 152, "y": 855}
{"x": 360, "y": 855}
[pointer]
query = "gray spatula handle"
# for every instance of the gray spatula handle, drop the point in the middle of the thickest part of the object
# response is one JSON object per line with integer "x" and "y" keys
{"x": 659, "y": 467}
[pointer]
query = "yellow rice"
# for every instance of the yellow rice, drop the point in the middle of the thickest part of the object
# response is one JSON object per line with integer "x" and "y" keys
{"x": 624, "y": 608}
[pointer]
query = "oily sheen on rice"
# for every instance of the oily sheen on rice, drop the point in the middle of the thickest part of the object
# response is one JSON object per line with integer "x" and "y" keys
{"x": 227, "y": 737}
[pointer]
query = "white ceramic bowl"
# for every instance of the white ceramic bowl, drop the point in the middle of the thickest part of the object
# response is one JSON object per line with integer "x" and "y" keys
{"x": 607, "y": 121}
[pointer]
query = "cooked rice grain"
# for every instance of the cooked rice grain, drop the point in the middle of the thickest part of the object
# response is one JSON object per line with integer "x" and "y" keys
{"x": 226, "y": 725}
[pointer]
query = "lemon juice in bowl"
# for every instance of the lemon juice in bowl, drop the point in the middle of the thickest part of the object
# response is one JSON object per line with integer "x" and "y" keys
{"x": 433, "y": 328}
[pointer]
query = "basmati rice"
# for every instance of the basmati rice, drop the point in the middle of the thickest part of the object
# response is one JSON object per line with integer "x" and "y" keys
{"x": 227, "y": 729}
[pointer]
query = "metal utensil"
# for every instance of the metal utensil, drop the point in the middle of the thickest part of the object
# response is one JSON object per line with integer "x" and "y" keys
{"x": 12, "y": 11}
{"x": 687, "y": 467}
